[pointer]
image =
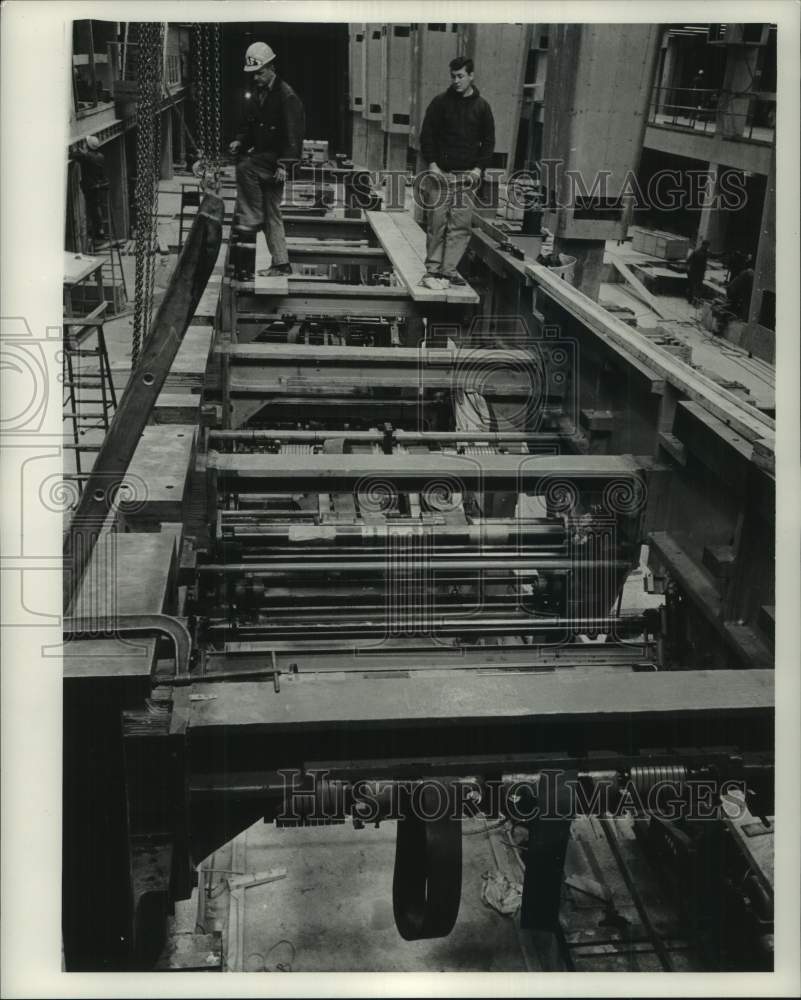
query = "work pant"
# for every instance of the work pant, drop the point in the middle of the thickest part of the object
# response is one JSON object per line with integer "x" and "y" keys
{"x": 451, "y": 198}
{"x": 259, "y": 198}
{"x": 695, "y": 282}
{"x": 94, "y": 209}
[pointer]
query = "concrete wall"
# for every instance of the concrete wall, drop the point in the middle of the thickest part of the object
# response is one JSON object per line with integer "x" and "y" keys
{"x": 710, "y": 148}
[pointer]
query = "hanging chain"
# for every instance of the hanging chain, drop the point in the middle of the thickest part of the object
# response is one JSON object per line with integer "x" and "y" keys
{"x": 153, "y": 231}
{"x": 208, "y": 103}
{"x": 148, "y": 154}
{"x": 216, "y": 109}
{"x": 200, "y": 90}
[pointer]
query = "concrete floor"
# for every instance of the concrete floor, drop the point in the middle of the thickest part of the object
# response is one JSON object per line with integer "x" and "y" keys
{"x": 330, "y": 909}
{"x": 332, "y": 912}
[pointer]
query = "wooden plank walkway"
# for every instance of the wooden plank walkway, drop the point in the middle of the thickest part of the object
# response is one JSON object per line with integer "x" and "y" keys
{"x": 263, "y": 285}
{"x": 405, "y": 242}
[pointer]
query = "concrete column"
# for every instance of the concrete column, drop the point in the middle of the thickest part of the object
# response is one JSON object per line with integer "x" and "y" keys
{"x": 375, "y": 145}
{"x": 165, "y": 171}
{"x": 588, "y": 269}
{"x": 397, "y": 148}
{"x": 667, "y": 80}
{"x": 738, "y": 79}
{"x": 359, "y": 133}
{"x": 713, "y": 221}
{"x": 765, "y": 265}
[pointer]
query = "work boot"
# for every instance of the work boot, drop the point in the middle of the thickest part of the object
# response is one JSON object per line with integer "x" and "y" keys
{"x": 279, "y": 270}
{"x": 434, "y": 281}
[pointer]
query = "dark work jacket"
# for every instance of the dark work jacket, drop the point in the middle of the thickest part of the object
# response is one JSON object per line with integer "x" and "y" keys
{"x": 93, "y": 168}
{"x": 696, "y": 263}
{"x": 458, "y": 132}
{"x": 274, "y": 128}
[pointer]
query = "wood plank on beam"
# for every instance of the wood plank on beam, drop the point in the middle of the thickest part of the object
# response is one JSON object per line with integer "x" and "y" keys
{"x": 746, "y": 420}
{"x": 408, "y": 262}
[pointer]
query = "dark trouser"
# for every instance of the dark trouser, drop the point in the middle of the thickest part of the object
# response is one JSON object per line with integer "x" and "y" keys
{"x": 259, "y": 198}
{"x": 94, "y": 211}
{"x": 695, "y": 284}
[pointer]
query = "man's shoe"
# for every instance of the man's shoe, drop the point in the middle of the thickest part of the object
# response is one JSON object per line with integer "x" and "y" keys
{"x": 454, "y": 278}
{"x": 434, "y": 282}
{"x": 279, "y": 270}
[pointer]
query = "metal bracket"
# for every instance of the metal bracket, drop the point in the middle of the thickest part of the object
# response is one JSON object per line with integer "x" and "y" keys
{"x": 135, "y": 625}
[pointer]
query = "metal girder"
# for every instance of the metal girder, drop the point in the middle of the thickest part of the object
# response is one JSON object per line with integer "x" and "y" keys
{"x": 251, "y": 308}
{"x": 329, "y": 228}
{"x": 338, "y": 255}
{"x": 135, "y": 625}
{"x": 192, "y": 272}
{"x": 282, "y": 368}
{"x": 531, "y": 474}
{"x": 630, "y": 702}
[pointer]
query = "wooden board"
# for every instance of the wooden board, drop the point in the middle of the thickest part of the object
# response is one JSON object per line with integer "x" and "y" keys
{"x": 639, "y": 288}
{"x": 78, "y": 267}
{"x": 405, "y": 248}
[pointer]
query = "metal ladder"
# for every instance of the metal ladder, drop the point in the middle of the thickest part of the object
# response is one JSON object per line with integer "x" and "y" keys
{"x": 89, "y": 395}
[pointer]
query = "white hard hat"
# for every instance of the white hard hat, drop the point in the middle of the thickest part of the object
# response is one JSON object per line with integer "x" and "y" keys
{"x": 92, "y": 142}
{"x": 258, "y": 54}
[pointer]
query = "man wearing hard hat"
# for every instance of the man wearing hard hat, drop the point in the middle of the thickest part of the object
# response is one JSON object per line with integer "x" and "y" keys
{"x": 94, "y": 182}
{"x": 271, "y": 137}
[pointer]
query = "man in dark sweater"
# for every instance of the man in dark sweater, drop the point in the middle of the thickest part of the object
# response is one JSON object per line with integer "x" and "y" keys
{"x": 271, "y": 136}
{"x": 457, "y": 141}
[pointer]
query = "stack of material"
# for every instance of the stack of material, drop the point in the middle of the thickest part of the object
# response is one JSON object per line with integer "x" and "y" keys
{"x": 666, "y": 246}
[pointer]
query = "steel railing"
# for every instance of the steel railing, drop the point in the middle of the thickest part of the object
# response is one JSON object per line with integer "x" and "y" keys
{"x": 749, "y": 115}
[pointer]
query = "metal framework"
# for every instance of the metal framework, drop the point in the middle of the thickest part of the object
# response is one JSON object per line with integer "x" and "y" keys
{"x": 459, "y": 521}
